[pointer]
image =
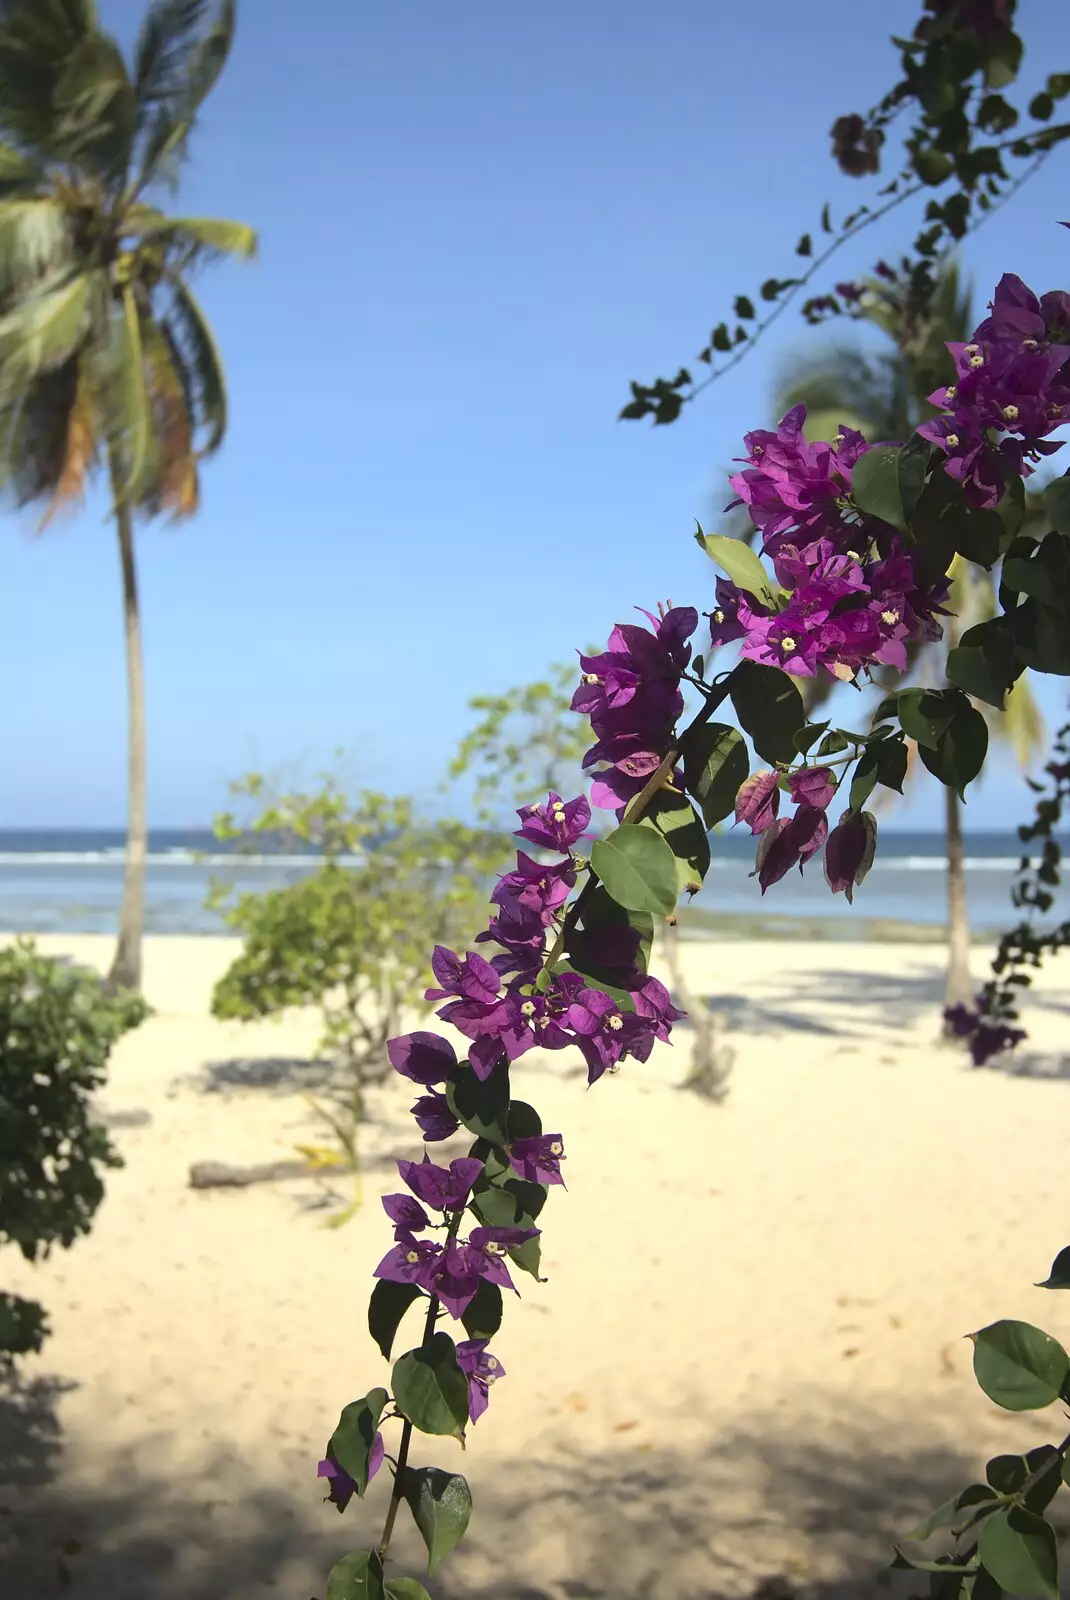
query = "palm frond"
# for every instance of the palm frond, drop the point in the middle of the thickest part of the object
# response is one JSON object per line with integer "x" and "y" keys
{"x": 95, "y": 111}
{"x": 35, "y": 241}
{"x": 194, "y": 336}
{"x": 174, "y": 486}
{"x": 170, "y": 33}
{"x": 169, "y": 130}
{"x": 190, "y": 239}
{"x": 80, "y": 450}
{"x": 34, "y": 433}
{"x": 20, "y": 174}
{"x": 847, "y": 386}
{"x": 1022, "y": 724}
{"x": 44, "y": 330}
{"x": 36, "y": 39}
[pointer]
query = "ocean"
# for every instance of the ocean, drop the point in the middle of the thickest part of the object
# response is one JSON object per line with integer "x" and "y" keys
{"x": 71, "y": 881}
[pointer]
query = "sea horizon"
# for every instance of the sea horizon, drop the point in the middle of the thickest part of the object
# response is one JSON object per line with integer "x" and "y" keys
{"x": 69, "y": 880}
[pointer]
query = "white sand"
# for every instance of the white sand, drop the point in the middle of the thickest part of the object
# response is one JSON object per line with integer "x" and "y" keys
{"x": 748, "y": 1359}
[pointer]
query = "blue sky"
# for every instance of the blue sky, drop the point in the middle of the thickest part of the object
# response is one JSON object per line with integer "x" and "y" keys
{"x": 478, "y": 222}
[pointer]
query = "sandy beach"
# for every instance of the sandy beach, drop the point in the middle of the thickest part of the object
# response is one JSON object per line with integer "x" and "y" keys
{"x": 747, "y": 1362}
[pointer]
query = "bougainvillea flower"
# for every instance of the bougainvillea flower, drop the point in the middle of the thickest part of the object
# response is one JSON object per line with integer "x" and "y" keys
{"x": 538, "y": 1159}
{"x": 407, "y": 1214}
{"x": 758, "y": 801}
{"x": 557, "y": 825}
{"x": 849, "y": 852}
{"x": 813, "y": 786}
{"x": 341, "y": 1486}
{"x": 411, "y": 1261}
{"x": 426, "y": 1058}
{"x": 470, "y": 979}
{"x": 434, "y": 1118}
{"x": 534, "y": 887}
{"x": 788, "y": 843}
{"x": 441, "y": 1188}
{"x": 481, "y": 1369}
{"x": 463, "y": 1264}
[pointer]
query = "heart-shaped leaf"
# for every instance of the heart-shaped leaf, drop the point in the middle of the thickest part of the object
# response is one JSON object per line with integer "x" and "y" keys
{"x": 441, "y": 1504}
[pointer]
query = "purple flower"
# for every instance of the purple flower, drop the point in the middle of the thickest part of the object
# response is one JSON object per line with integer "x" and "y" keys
{"x": 725, "y": 625}
{"x": 758, "y": 801}
{"x": 793, "y": 490}
{"x": 812, "y": 786}
{"x": 470, "y": 979}
{"x": 849, "y": 852}
{"x": 411, "y": 1261}
{"x": 538, "y": 1159}
{"x": 424, "y": 1057}
{"x": 555, "y": 826}
{"x": 434, "y": 1118}
{"x": 342, "y": 1488}
{"x": 983, "y": 1037}
{"x": 534, "y": 887}
{"x": 481, "y": 1369}
{"x": 441, "y": 1188}
{"x": 405, "y": 1213}
{"x": 653, "y": 1004}
{"x": 483, "y": 1256}
{"x": 604, "y": 1033}
{"x": 788, "y": 843}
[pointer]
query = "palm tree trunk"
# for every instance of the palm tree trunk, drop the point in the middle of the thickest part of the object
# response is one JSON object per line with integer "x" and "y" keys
{"x": 959, "y": 985}
{"x": 126, "y": 967}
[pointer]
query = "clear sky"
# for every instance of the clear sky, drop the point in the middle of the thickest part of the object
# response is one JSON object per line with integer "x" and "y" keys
{"x": 479, "y": 221}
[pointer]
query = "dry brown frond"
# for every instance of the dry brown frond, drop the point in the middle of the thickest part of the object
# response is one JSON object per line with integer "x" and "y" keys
{"x": 79, "y": 454}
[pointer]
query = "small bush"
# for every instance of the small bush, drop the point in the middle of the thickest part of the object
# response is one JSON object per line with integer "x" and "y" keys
{"x": 57, "y": 1031}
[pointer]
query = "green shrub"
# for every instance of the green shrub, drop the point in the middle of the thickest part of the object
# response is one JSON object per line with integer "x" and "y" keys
{"x": 57, "y": 1031}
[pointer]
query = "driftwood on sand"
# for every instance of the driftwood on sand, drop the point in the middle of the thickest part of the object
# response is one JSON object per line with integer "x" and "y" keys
{"x": 218, "y": 1175}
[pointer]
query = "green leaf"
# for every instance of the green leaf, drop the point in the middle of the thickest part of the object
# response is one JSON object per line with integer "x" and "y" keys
{"x": 522, "y": 1121}
{"x": 716, "y": 763}
{"x": 430, "y": 1389}
{"x": 352, "y": 1440}
{"x": 875, "y": 485}
{"x": 983, "y": 663}
{"x": 933, "y": 166}
{"x": 892, "y": 764}
{"x": 679, "y": 824}
{"x": 1057, "y": 503}
{"x": 1018, "y": 1366}
{"x": 388, "y": 1304}
{"x": 406, "y": 1589}
{"x": 638, "y": 869}
{"x": 528, "y": 1257}
{"x": 196, "y": 340}
{"x": 926, "y": 714}
{"x": 865, "y": 778}
{"x": 482, "y": 1317}
{"x": 1059, "y": 1276}
{"x": 960, "y": 753}
{"x": 1018, "y": 1549}
{"x": 741, "y": 564}
{"x": 441, "y": 1504}
{"x": 357, "y": 1577}
{"x": 481, "y": 1104}
{"x": 600, "y": 911}
{"x": 770, "y": 708}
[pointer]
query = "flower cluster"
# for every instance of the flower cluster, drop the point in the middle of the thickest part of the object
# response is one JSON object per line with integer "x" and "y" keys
{"x": 1011, "y": 379}
{"x": 846, "y": 593}
{"x": 983, "y": 1037}
{"x": 631, "y": 695}
{"x": 786, "y": 842}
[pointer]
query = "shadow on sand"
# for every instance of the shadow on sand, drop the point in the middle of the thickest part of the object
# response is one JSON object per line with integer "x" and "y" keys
{"x": 757, "y": 1512}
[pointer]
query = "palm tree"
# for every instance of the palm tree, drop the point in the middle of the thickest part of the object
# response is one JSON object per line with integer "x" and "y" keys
{"x": 882, "y": 395}
{"x": 106, "y": 358}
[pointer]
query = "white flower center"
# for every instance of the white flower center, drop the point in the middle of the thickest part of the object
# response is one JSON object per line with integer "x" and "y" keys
{"x": 977, "y": 361}
{"x": 837, "y": 441}
{"x": 556, "y": 1148}
{"x": 1029, "y": 344}
{"x": 788, "y": 643}
{"x": 615, "y": 1022}
{"x": 952, "y": 441}
{"x": 492, "y": 1363}
{"x": 718, "y": 617}
{"x": 591, "y": 677}
{"x": 527, "y": 1009}
{"x": 971, "y": 349}
{"x": 950, "y": 392}
{"x": 493, "y": 1248}
{"x": 1011, "y": 413}
{"x": 890, "y": 617}
{"x": 412, "y": 1257}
